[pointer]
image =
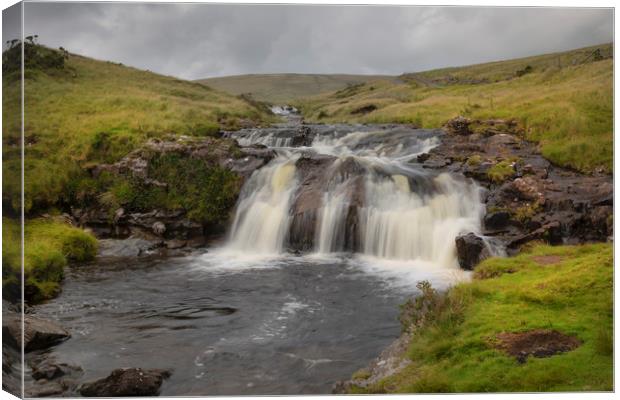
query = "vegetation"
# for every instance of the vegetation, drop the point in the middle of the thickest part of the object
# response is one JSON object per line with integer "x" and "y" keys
{"x": 50, "y": 245}
{"x": 454, "y": 345}
{"x": 83, "y": 112}
{"x": 564, "y": 101}
{"x": 501, "y": 171}
{"x": 286, "y": 88}
{"x": 207, "y": 192}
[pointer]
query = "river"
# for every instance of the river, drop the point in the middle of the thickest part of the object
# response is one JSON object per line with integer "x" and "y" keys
{"x": 327, "y": 240}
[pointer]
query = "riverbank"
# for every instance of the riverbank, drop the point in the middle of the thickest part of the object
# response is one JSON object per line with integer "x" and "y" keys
{"x": 540, "y": 321}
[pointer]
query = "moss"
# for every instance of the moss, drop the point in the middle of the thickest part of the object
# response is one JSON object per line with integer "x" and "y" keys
{"x": 525, "y": 213}
{"x": 501, "y": 171}
{"x": 474, "y": 161}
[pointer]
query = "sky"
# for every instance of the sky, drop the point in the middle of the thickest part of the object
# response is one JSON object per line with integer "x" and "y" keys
{"x": 194, "y": 41}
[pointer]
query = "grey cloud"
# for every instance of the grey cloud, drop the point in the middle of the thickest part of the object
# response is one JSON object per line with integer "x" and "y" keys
{"x": 202, "y": 40}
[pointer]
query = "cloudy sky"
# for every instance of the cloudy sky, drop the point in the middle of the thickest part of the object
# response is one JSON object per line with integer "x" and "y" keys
{"x": 204, "y": 40}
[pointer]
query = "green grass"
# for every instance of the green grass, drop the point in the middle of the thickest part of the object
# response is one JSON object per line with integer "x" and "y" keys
{"x": 565, "y": 288}
{"x": 90, "y": 111}
{"x": 286, "y": 88}
{"x": 49, "y": 246}
{"x": 501, "y": 171}
{"x": 568, "y": 108}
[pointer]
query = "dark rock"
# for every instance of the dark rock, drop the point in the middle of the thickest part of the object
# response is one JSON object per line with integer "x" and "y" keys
{"x": 470, "y": 249}
{"x": 176, "y": 244}
{"x": 126, "y": 382}
{"x": 50, "y": 370}
{"x": 38, "y": 333}
{"x": 497, "y": 220}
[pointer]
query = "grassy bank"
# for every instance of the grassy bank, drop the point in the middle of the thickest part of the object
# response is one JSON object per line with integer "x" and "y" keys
{"x": 568, "y": 289}
{"x": 563, "y": 101}
{"x": 50, "y": 246}
{"x": 80, "y": 112}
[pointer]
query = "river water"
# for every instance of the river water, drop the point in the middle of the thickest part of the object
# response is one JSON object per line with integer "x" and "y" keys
{"x": 250, "y": 317}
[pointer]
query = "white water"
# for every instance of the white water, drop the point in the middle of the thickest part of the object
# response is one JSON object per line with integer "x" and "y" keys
{"x": 408, "y": 214}
{"x": 262, "y": 217}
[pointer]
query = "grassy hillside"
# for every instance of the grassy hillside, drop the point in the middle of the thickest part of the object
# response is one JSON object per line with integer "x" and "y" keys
{"x": 87, "y": 111}
{"x": 457, "y": 346}
{"x": 564, "y": 101}
{"x": 285, "y": 88}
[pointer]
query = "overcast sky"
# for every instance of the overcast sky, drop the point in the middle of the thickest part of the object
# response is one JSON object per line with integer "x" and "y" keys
{"x": 204, "y": 40}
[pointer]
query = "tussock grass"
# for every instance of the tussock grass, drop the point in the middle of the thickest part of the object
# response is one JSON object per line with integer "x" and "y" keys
{"x": 568, "y": 110}
{"x": 454, "y": 350}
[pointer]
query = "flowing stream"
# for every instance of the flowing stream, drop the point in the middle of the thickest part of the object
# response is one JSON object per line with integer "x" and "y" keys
{"x": 326, "y": 241}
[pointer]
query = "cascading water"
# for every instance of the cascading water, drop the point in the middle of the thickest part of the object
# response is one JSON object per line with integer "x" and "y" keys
{"x": 262, "y": 217}
{"x": 370, "y": 198}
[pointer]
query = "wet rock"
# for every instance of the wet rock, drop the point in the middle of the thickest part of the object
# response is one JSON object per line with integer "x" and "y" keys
{"x": 45, "y": 389}
{"x": 126, "y": 382}
{"x": 470, "y": 249}
{"x": 49, "y": 370}
{"x": 38, "y": 333}
{"x": 496, "y": 220}
{"x": 130, "y": 247}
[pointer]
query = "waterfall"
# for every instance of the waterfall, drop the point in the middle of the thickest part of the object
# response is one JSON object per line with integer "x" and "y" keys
{"x": 262, "y": 218}
{"x": 370, "y": 198}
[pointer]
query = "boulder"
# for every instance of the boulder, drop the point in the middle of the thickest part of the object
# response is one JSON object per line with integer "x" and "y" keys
{"x": 38, "y": 333}
{"x": 497, "y": 220}
{"x": 470, "y": 249}
{"x": 528, "y": 188}
{"x": 126, "y": 382}
{"x": 158, "y": 228}
{"x": 458, "y": 126}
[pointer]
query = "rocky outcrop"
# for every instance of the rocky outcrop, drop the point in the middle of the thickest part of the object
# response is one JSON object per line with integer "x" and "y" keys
{"x": 536, "y": 200}
{"x": 38, "y": 333}
{"x": 470, "y": 250}
{"x": 126, "y": 382}
{"x": 167, "y": 224}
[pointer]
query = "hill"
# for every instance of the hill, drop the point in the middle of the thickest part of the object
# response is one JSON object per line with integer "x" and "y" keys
{"x": 564, "y": 101}
{"x": 80, "y": 112}
{"x": 285, "y": 88}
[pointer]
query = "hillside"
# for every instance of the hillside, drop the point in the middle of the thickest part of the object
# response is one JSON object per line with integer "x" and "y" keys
{"x": 82, "y": 112}
{"x": 285, "y": 88}
{"x": 564, "y": 101}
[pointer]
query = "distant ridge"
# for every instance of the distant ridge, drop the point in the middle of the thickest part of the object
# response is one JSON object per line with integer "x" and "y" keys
{"x": 286, "y": 88}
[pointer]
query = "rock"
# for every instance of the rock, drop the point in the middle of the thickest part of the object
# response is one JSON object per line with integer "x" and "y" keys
{"x": 130, "y": 247}
{"x": 49, "y": 370}
{"x": 38, "y": 333}
{"x": 496, "y": 220}
{"x": 158, "y": 228}
{"x": 528, "y": 188}
{"x": 458, "y": 126}
{"x": 45, "y": 389}
{"x": 470, "y": 249}
{"x": 126, "y": 382}
{"x": 176, "y": 244}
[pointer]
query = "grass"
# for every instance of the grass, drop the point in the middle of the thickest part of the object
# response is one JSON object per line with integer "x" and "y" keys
{"x": 565, "y": 288}
{"x": 88, "y": 112}
{"x": 286, "y": 88}
{"x": 566, "y": 107}
{"x": 501, "y": 171}
{"x": 50, "y": 246}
